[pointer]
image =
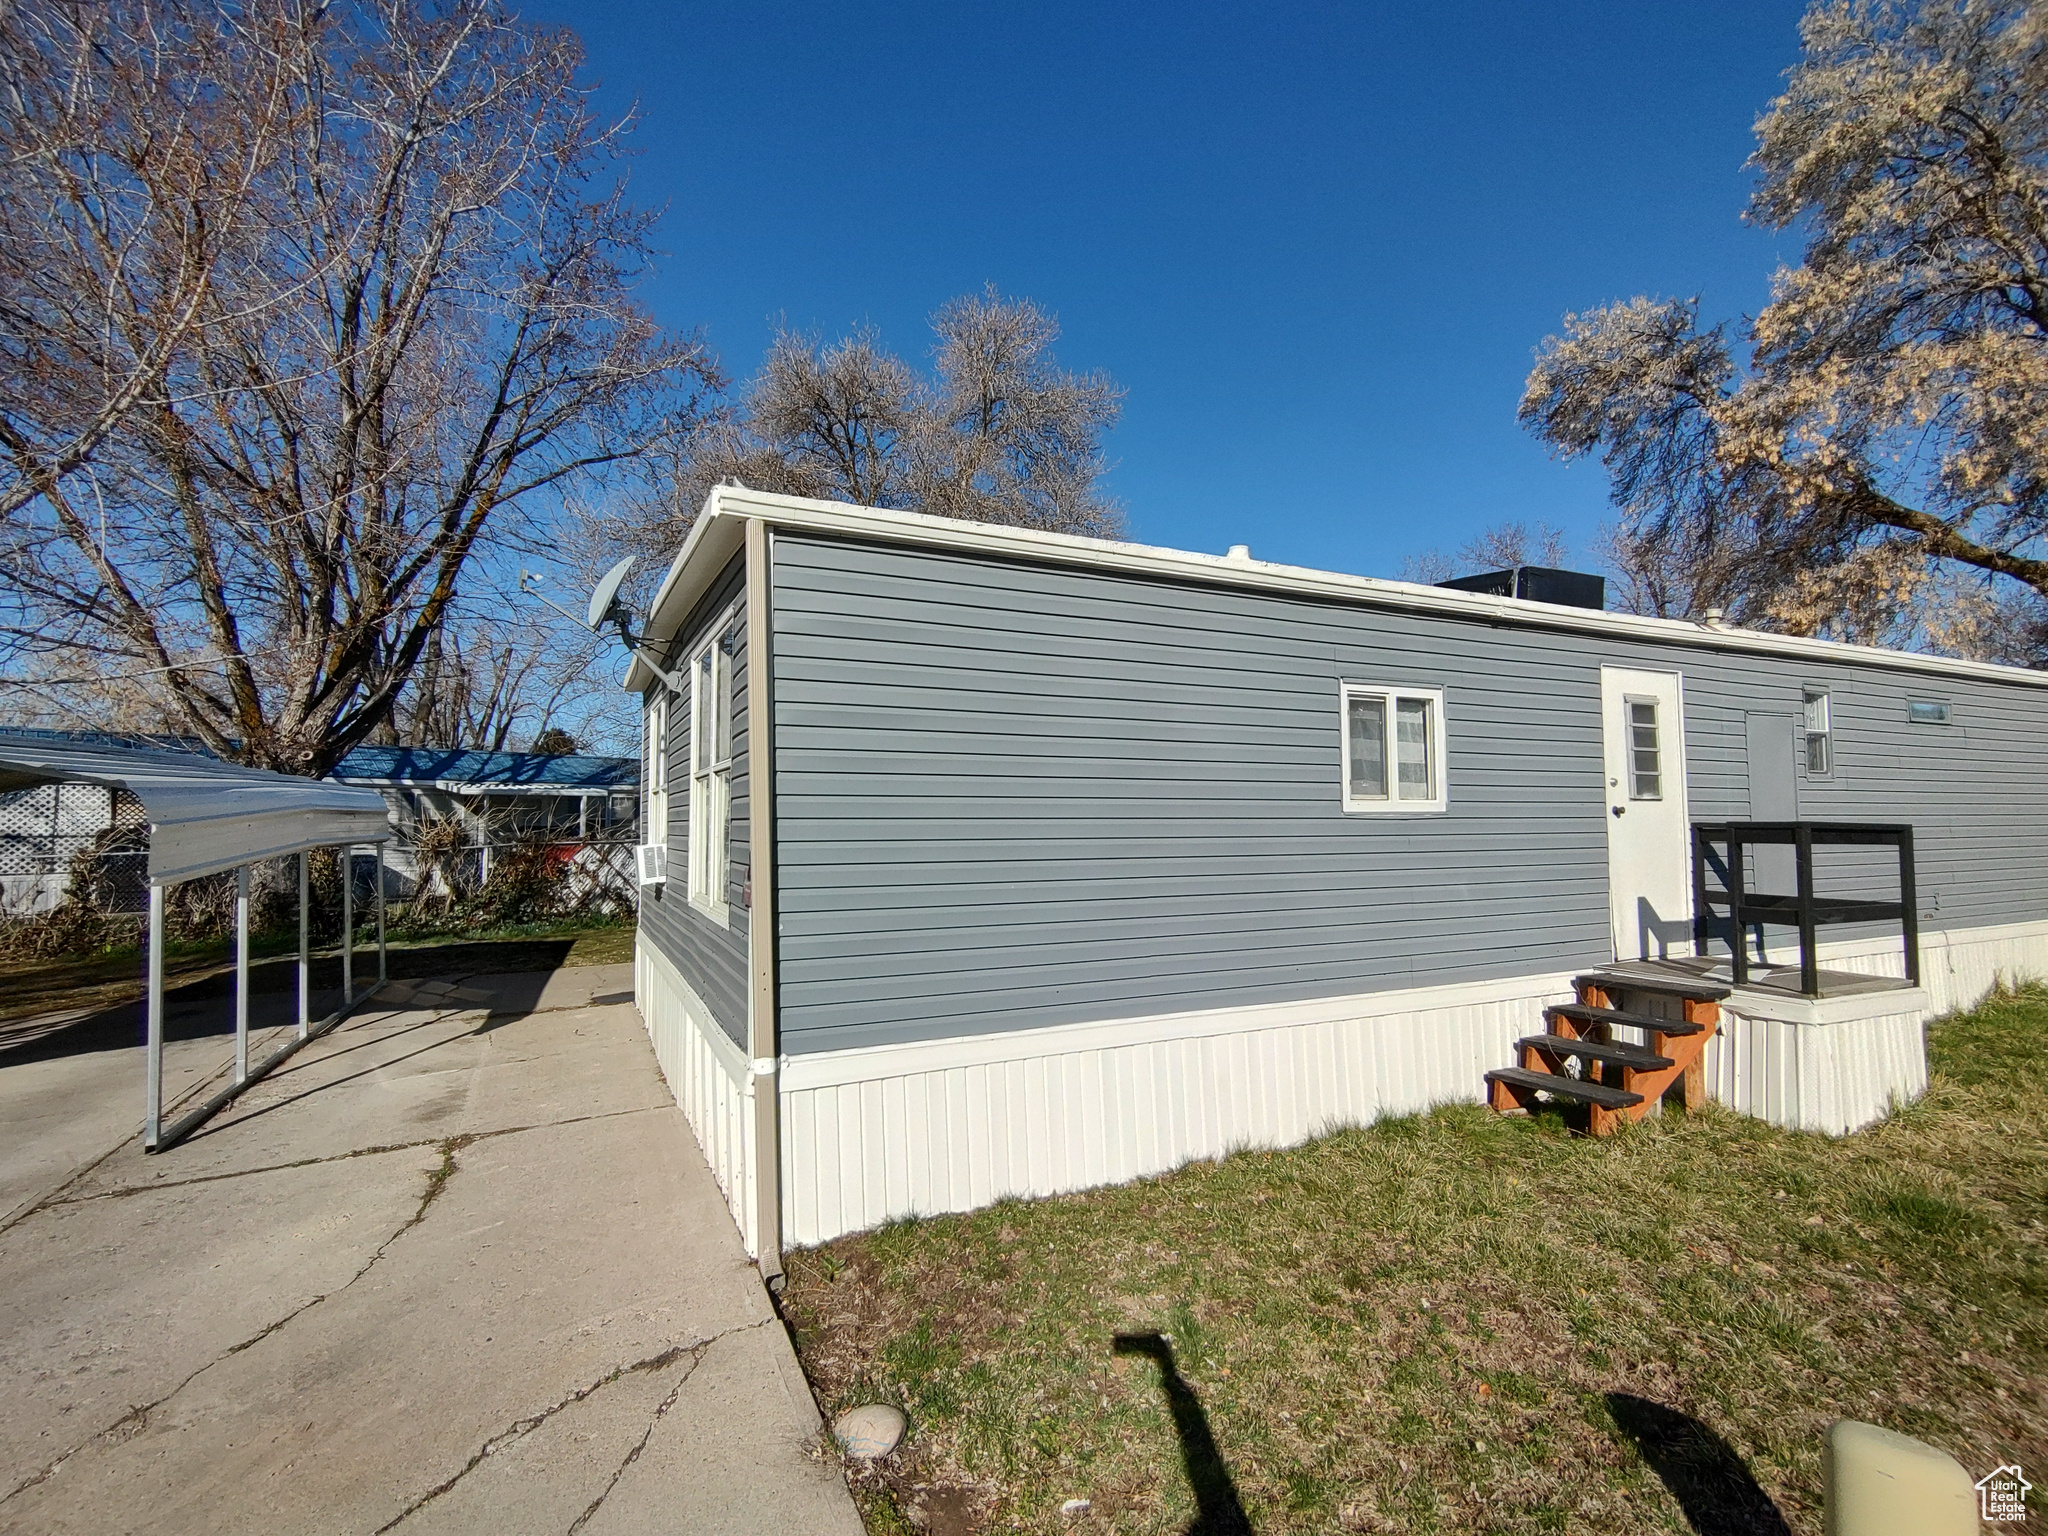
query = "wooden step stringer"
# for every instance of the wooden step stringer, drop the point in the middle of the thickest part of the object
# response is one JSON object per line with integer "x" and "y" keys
{"x": 1687, "y": 1054}
{"x": 1681, "y": 1049}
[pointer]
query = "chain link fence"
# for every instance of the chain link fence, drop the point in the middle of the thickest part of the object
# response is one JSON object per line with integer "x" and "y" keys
{"x": 55, "y": 837}
{"x": 445, "y": 883}
{"x": 74, "y": 877}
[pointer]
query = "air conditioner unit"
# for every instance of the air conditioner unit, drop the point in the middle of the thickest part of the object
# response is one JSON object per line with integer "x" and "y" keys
{"x": 653, "y": 860}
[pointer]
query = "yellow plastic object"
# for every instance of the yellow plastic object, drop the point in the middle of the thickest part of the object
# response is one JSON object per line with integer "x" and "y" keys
{"x": 1884, "y": 1484}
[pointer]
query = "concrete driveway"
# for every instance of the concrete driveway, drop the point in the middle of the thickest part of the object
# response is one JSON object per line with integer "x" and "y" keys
{"x": 458, "y": 1267}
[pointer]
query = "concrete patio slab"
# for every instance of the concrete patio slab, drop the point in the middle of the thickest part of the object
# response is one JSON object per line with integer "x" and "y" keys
{"x": 456, "y": 1268}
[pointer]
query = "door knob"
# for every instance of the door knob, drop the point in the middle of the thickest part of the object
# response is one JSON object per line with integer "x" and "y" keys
{"x": 1620, "y": 810}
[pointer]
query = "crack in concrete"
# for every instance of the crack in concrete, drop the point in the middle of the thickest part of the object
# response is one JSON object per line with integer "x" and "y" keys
{"x": 128, "y": 1190}
{"x": 266, "y": 1032}
{"x": 520, "y": 1428}
{"x": 186, "y": 1095}
{"x": 647, "y": 1434}
{"x": 136, "y": 1419}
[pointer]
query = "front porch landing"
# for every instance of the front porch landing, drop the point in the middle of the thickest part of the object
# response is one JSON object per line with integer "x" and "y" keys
{"x": 1832, "y": 1063}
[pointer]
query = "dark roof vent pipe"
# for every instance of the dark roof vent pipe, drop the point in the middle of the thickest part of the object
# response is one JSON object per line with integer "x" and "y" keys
{"x": 1537, "y": 584}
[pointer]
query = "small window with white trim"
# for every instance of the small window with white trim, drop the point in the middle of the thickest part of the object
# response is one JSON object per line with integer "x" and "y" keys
{"x": 711, "y": 687}
{"x": 1820, "y": 740}
{"x": 656, "y": 832}
{"x": 1645, "y": 750}
{"x": 1393, "y": 748}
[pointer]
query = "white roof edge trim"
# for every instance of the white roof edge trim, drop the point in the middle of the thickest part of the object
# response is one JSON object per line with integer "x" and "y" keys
{"x": 205, "y": 815}
{"x": 718, "y": 531}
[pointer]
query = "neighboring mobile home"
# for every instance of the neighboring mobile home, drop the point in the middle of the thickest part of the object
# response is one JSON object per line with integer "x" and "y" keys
{"x": 1004, "y": 863}
{"x": 591, "y": 804}
{"x": 567, "y": 793}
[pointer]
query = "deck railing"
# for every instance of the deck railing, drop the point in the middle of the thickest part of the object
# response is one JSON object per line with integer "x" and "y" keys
{"x": 1803, "y": 909}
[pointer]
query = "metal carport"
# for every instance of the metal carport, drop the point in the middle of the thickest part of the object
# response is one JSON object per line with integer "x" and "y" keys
{"x": 205, "y": 817}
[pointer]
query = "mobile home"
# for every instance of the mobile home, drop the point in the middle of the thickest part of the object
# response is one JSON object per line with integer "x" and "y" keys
{"x": 989, "y": 862}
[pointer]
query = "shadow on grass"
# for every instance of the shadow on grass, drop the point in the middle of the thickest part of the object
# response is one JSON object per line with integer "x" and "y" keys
{"x": 1218, "y": 1511}
{"x": 1711, "y": 1482}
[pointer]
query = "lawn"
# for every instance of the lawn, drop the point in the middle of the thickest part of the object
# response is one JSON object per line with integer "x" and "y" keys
{"x": 1460, "y": 1321}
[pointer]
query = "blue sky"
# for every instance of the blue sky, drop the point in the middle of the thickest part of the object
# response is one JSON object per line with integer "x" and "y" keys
{"x": 1315, "y": 243}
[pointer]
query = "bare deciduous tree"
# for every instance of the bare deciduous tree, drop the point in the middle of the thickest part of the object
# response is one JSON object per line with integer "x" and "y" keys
{"x": 999, "y": 434}
{"x": 427, "y": 339}
{"x": 1893, "y": 406}
{"x": 1499, "y": 548}
{"x": 475, "y": 688}
{"x": 132, "y": 143}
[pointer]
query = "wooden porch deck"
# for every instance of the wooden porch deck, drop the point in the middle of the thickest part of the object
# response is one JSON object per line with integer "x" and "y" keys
{"x": 1691, "y": 973}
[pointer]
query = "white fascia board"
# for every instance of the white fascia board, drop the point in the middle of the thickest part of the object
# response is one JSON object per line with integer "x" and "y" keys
{"x": 716, "y": 536}
{"x": 719, "y": 532}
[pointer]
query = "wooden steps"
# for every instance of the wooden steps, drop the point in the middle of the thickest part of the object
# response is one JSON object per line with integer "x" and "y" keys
{"x": 1578, "y": 1013}
{"x": 1611, "y": 1052}
{"x": 1583, "y": 1090}
{"x": 1616, "y": 1079}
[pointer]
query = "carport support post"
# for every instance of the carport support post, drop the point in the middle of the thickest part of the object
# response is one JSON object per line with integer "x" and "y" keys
{"x": 348, "y": 925}
{"x": 242, "y": 974}
{"x": 383, "y": 970}
{"x": 153, "y": 1093}
{"x": 305, "y": 958}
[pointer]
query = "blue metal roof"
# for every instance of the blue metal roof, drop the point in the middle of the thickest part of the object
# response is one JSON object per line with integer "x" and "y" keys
{"x": 144, "y": 741}
{"x": 447, "y": 765}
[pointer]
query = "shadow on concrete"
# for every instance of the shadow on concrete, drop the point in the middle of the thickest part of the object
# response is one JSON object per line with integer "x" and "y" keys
{"x": 203, "y": 1008}
{"x": 1218, "y": 1511}
{"x": 1711, "y": 1482}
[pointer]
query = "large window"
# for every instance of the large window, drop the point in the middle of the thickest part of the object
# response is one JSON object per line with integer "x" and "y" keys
{"x": 711, "y": 688}
{"x": 1393, "y": 748}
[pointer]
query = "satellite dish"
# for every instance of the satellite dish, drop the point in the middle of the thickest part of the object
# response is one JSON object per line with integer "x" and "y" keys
{"x": 607, "y": 593}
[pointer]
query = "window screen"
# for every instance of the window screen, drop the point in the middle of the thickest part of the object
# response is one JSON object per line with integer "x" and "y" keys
{"x": 1645, "y": 771}
{"x": 711, "y": 710}
{"x": 1416, "y": 774}
{"x": 1368, "y": 718}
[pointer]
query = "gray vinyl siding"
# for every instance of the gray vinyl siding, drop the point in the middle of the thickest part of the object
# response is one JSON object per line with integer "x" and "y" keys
{"x": 1011, "y": 796}
{"x": 712, "y": 956}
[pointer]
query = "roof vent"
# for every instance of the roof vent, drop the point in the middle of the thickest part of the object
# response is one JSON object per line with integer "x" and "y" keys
{"x": 1538, "y": 584}
{"x": 1239, "y": 552}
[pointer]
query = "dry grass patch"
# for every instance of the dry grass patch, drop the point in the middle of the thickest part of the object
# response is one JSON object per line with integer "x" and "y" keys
{"x": 1463, "y": 1322}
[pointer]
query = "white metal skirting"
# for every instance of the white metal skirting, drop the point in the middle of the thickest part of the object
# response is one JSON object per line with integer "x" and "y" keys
{"x": 1834, "y": 1078}
{"x": 1842, "y": 1076}
{"x": 951, "y": 1125}
{"x": 872, "y": 1135}
{"x": 709, "y": 1077}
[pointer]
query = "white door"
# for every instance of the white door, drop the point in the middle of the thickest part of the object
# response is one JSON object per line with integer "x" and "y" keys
{"x": 1649, "y": 865}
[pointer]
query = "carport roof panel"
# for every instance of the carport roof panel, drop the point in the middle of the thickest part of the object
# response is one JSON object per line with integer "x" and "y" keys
{"x": 204, "y": 815}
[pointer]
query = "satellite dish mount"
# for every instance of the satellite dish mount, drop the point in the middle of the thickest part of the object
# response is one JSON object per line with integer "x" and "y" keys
{"x": 608, "y": 607}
